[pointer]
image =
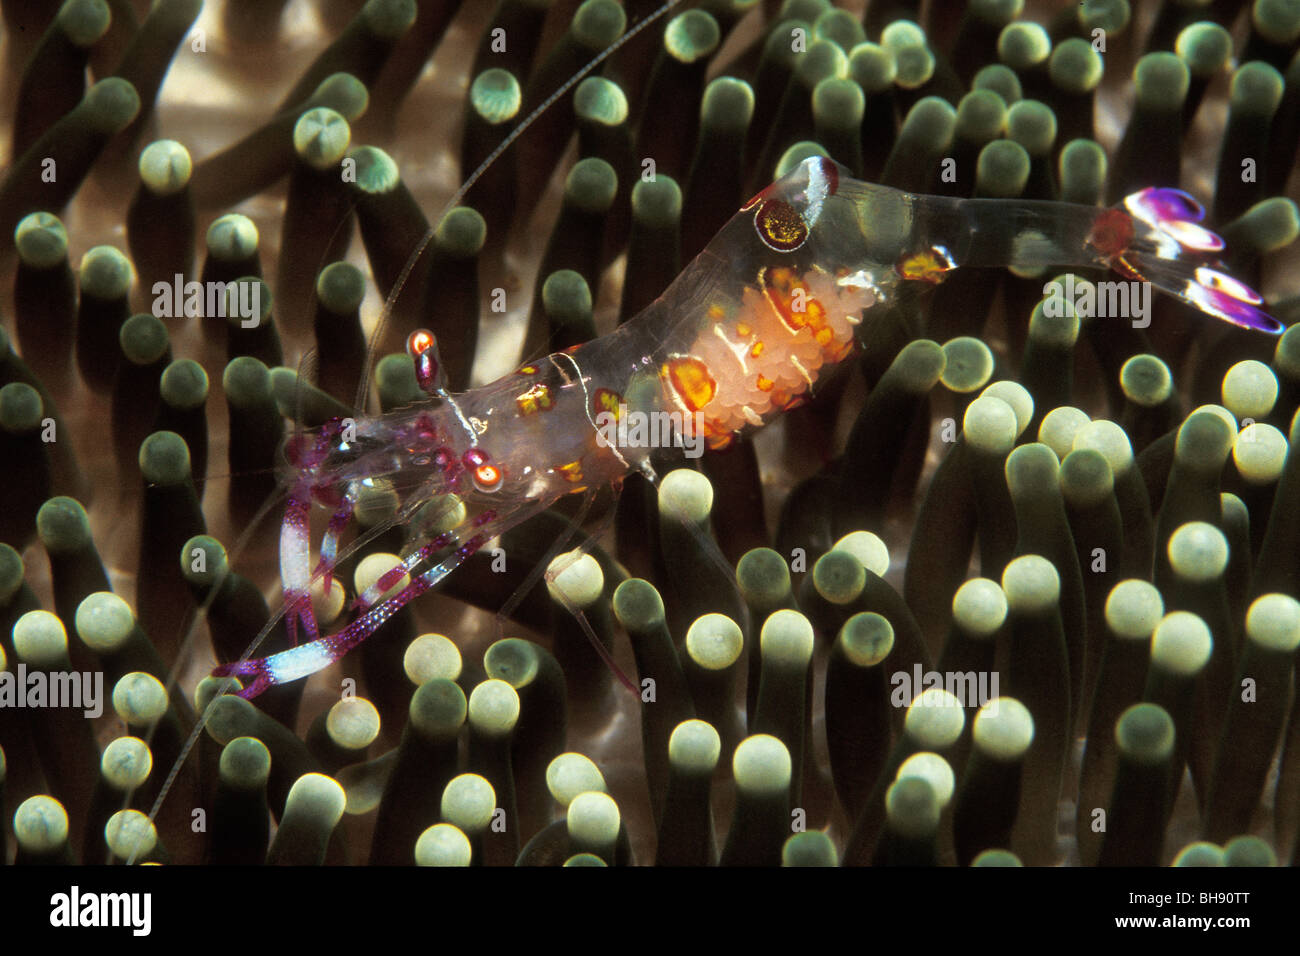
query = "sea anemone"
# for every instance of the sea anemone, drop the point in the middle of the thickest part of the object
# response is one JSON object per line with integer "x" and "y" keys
{"x": 1015, "y": 566}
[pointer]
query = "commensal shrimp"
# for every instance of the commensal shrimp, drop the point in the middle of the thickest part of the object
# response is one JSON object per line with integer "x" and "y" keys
{"x": 785, "y": 291}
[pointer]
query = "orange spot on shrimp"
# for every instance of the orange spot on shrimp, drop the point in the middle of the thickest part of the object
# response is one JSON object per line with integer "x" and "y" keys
{"x": 764, "y": 383}
{"x": 717, "y": 313}
{"x": 1111, "y": 232}
{"x": 570, "y": 471}
{"x": 605, "y": 400}
{"x": 794, "y": 304}
{"x": 487, "y": 477}
{"x": 1127, "y": 269}
{"x": 757, "y": 350}
{"x": 791, "y": 298}
{"x": 534, "y": 400}
{"x": 929, "y": 265}
{"x": 526, "y": 370}
{"x": 743, "y": 329}
{"x": 691, "y": 380}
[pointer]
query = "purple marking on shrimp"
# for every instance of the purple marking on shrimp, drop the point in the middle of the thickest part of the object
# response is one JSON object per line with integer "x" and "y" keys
{"x": 1233, "y": 310}
{"x": 387, "y": 580}
{"x": 1176, "y": 214}
{"x": 1155, "y": 205}
{"x": 1228, "y": 285}
{"x": 470, "y": 546}
{"x": 390, "y": 577}
{"x": 1191, "y": 236}
{"x": 298, "y": 662}
{"x": 426, "y": 371}
{"x": 425, "y": 429}
{"x": 308, "y": 451}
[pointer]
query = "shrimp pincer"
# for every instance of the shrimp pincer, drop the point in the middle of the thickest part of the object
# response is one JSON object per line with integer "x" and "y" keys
{"x": 784, "y": 292}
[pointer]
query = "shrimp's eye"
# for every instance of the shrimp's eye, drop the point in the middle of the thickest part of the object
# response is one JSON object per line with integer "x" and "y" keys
{"x": 487, "y": 478}
{"x": 419, "y": 342}
{"x": 422, "y": 347}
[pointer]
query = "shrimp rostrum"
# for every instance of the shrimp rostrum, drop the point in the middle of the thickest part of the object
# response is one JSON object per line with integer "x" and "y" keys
{"x": 785, "y": 291}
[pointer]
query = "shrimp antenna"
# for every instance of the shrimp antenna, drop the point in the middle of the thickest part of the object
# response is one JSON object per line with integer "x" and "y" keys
{"x": 363, "y": 386}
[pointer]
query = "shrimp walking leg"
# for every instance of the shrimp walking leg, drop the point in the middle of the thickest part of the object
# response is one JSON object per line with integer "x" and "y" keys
{"x": 305, "y": 659}
{"x": 294, "y": 568}
{"x": 330, "y": 543}
{"x": 295, "y": 535}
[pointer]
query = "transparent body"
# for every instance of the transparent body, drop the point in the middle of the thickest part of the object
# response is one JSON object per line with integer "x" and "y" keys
{"x": 783, "y": 293}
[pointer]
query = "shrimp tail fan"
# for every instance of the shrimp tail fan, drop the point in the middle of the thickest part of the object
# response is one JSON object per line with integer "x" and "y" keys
{"x": 1155, "y": 235}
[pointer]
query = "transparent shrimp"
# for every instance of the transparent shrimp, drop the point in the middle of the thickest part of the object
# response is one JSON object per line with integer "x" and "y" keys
{"x": 782, "y": 294}
{"x": 785, "y": 292}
